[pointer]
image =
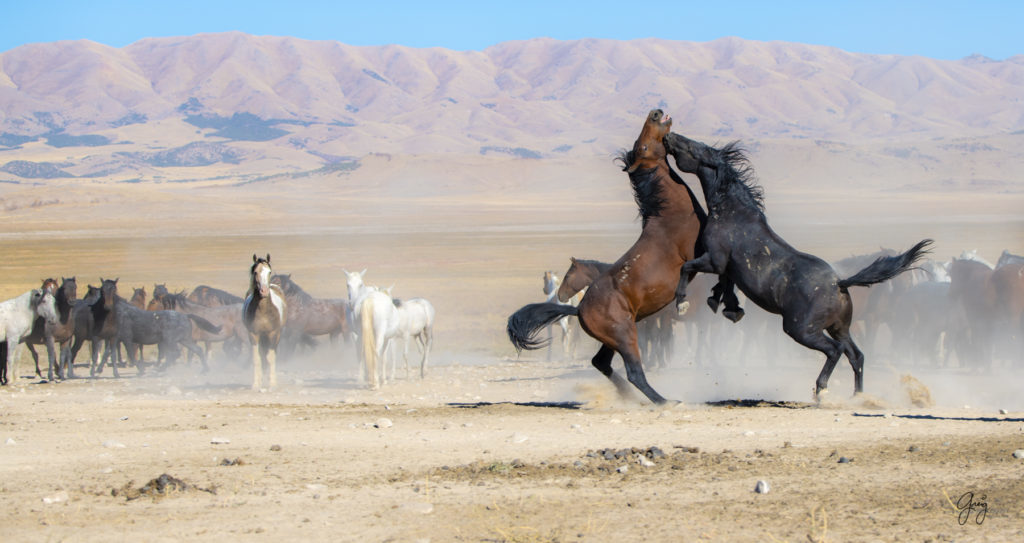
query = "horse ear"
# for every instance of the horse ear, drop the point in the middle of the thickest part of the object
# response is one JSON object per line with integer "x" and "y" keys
{"x": 362, "y": 273}
{"x": 268, "y": 258}
{"x": 255, "y": 258}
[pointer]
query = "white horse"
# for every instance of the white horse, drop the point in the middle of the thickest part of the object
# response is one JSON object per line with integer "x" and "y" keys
{"x": 376, "y": 322}
{"x": 551, "y": 284}
{"x": 415, "y": 320}
{"x": 16, "y": 318}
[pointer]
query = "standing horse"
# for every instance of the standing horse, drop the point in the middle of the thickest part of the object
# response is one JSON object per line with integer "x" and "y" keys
{"x": 17, "y": 316}
{"x": 59, "y": 332}
{"x": 376, "y": 323}
{"x": 645, "y": 278}
{"x": 264, "y": 313}
{"x": 415, "y": 320}
{"x": 741, "y": 247}
{"x": 309, "y": 316}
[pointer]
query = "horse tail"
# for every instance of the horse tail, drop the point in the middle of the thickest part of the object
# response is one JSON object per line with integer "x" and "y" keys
{"x": 205, "y": 324}
{"x": 369, "y": 341}
{"x": 887, "y": 267}
{"x": 526, "y": 322}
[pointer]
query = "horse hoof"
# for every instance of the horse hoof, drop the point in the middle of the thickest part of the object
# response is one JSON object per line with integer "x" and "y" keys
{"x": 713, "y": 304}
{"x": 682, "y": 308}
{"x": 733, "y": 315}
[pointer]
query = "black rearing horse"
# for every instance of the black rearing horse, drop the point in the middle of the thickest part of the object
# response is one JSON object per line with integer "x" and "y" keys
{"x": 742, "y": 248}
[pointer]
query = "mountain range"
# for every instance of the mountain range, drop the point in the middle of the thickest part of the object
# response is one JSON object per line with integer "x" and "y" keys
{"x": 162, "y": 107}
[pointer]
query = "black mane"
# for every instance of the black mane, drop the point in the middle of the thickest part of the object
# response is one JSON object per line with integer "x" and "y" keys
{"x": 646, "y": 190}
{"x": 736, "y": 176}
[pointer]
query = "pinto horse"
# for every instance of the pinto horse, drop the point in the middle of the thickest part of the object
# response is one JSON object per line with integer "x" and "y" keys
{"x": 645, "y": 278}
{"x": 746, "y": 252}
{"x": 264, "y": 313}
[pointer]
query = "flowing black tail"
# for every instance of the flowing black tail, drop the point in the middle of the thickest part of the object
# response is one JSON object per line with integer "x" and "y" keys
{"x": 887, "y": 267}
{"x": 205, "y": 324}
{"x": 526, "y": 322}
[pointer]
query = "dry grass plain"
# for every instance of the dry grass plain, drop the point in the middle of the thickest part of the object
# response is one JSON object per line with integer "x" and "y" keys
{"x": 488, "y": 447}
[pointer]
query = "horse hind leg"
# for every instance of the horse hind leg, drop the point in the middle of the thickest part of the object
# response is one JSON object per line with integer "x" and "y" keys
{"x": 853, "y": 354}
{"x": 818, "y": 341}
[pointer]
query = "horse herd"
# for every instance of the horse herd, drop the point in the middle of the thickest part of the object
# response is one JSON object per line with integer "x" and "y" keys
{"x": 960, "y": 306}
{"x": 276, "y": 315}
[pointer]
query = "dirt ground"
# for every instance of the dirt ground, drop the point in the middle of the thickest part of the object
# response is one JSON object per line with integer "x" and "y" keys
{"x": 488, "y": 447}
{"x": 501, "y": 451}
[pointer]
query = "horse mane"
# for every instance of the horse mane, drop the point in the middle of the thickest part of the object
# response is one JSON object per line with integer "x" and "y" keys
{"x": 646, "y": 191}
{"x": 739, "y": 175}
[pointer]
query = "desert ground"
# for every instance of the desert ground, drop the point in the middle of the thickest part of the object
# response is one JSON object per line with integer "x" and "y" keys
{"x": 491, "y": 445}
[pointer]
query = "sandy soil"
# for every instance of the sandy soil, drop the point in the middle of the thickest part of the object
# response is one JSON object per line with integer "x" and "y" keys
{"x": 488, "y": 447}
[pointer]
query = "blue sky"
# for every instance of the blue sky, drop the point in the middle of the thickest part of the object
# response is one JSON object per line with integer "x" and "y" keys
{"x": 938, "y": 28}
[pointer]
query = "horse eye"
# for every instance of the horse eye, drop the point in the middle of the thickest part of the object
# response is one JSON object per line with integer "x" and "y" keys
{"x": 645, "y": 148}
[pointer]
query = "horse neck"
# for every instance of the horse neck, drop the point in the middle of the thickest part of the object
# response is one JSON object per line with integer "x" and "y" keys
{"x": 64, "y": 305}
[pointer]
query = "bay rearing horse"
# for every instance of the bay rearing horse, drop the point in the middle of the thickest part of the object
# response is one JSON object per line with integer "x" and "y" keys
{"x": 264, "y": 312}
{"x": 743, "y": 250}
{"x": 643, "y": 280}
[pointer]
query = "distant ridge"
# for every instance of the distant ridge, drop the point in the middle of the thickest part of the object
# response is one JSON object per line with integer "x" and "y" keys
{"x": 284, "y": 96}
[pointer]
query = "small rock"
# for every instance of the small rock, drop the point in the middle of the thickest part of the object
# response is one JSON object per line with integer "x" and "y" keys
{"x": 59, "y": 497}
{"x": 111, "y": 444}
{"x": 275, "y": 448}
{"x": 762, "y": 487}
{"x": 913, "y": 448}
{"x": 622, "y": 469}
{"x": 643, "y": 461}
{"x": 316, "y": 486}
{"x": 383, "y": 422}
{"x": 219, "y": 441}
{"x": 1003, "y": 412}
{"x": 749, "y": 433}
{"x": 845, "y": 460}
{"x": 519, "y": 438}
{"x": 1018, "y": 454}
{"x": 10, "y": 441}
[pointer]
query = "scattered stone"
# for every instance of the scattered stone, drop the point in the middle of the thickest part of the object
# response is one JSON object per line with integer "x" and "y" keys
{"x": 219, "y": 441}
{"x": 1003, "y": 412}
{"x": 111, "y": 444}
{"x": 762, "y": 487}
{"x": 163, "y": 485}
{"x": 913, "y": 448}
{"x": 1018, "y": 454}
{"x": 10, "y": 441}
{"x": 275, "y": 448}
{"x": 383, "y": 422}
{"x": 59, "y": 497}
{"x": 750, "y": 433}
{"x": 643, "y": 461}
{"x": 622, "y": 469}
{"x": 235, "y": 462}
{"x": 845, "y": 460}
{"x": 655, "y": 453}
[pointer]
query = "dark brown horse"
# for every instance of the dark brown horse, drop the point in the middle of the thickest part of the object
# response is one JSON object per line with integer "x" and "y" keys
{"x": 643, "y": 280}
{"x": 992, "y": 303}
{"x": 264, "y": 313}
{"x": 309, "y": 316}
{"x": 654, "y": 333}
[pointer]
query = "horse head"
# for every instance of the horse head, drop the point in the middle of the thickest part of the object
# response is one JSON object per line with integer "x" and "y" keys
{"x": 108, "y": 292}
{"x": 259, "y": 276}
{"x": 354, "y": 283}
{"x": 649, "y": 149}
{"x": 49, "y": 285}
{"x": 551, "y": 282}
{"x": 44, "y": 305}
{"x": 69, "y": 288}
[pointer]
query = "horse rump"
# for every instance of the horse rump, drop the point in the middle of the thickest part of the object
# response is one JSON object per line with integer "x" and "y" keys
{"x": 525, "y": 323}
{"x": 887, "y": 267}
